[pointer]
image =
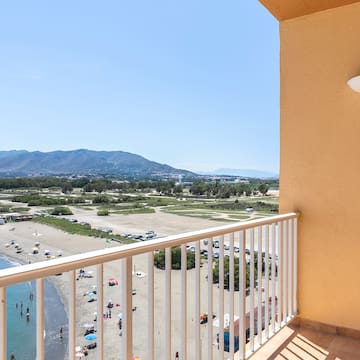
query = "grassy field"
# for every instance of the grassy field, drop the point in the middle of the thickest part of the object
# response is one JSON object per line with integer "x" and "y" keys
{"x": 226, "y": 210}
{"x": 75, "y": 228}
{"x": 233, "y": 209}
{"x": 144, "y": 210}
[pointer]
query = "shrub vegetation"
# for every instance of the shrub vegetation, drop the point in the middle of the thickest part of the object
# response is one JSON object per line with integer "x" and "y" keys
{"x": 103, "y": 212}
{"x": 61, "y": 210}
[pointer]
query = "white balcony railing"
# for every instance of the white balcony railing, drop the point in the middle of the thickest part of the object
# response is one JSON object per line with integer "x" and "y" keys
{"x": 259, "y": 309}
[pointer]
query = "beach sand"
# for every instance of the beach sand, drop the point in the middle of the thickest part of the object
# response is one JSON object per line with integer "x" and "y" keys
{"x": 27, "y": 233}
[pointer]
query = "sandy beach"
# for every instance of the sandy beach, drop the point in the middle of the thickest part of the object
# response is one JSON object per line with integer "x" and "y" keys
{"x": 27, "y": 233}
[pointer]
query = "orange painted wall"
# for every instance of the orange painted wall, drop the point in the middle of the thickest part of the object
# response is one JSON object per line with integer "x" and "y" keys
{"x": 320, "y": 159}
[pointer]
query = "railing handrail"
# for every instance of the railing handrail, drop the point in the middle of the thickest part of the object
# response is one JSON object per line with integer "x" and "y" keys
{"x": 28, "y": 272}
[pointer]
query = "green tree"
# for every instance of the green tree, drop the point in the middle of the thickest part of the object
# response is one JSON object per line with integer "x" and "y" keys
{"x": 101, "y": 199}
{"x": 248, "y": 190}
{"x": 67, "y": 188}
{"x": 236, "y": 273}
{"x": 79, "y": 183}
{"x": 159, "y": 259}
{"x": 263, "y": 188}
{"x": 178, "y": 190}
{"x": 198, "y": 188}
{"x": 88, "y": 187}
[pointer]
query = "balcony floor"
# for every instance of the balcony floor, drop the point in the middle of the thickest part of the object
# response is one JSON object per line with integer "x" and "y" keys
{"x": 294, "y": 343}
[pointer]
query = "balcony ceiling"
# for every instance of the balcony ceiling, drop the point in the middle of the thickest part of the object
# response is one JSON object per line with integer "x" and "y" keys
{"x": 288, "y": 9}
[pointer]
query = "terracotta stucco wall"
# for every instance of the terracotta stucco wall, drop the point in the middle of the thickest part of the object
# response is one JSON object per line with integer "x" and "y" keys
{"x": 320, "y": 159}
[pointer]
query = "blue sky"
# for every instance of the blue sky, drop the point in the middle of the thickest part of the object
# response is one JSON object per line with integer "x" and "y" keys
{"x": 194, "y": 84}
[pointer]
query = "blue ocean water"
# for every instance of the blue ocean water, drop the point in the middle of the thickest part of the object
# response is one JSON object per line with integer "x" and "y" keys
{"x": 21, "y": 333}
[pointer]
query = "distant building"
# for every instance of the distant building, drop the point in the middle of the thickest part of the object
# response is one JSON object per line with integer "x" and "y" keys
{"x": 186, "y": 184}
{"x": 242, "y": 181}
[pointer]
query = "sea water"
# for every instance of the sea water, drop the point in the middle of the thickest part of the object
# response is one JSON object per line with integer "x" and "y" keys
{"x": 21, "y": 333}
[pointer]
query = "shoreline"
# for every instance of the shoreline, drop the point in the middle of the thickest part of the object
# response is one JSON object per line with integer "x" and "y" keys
{"x": 53, "y": 345}
{"x": 59, "y": 283}
{"x": 25, "y": 235}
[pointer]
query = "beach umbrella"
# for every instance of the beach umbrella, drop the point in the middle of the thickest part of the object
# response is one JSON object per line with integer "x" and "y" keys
{"x": 79, "y": 354}
{"x": 91, "y": 294}
{"x": 120, "y": 315}
{"x": 78, "y": 348}
{"x": 90, "y": 337}
{"x": 140, "y": 274}
{"x": 136, "y": 358}
{"x": 88, "y": 325}
{"x": 93, "y": 287}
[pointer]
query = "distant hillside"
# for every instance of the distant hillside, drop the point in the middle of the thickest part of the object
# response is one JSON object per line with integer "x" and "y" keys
{"x": 81, "y": 162}
{"x": 242, "y": 172}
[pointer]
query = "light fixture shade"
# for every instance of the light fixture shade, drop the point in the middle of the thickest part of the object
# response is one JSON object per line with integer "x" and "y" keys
{"x": 354, "y": 83}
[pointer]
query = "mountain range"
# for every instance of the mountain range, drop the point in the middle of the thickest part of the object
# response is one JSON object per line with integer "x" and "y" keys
{"x": 82, "y": 162}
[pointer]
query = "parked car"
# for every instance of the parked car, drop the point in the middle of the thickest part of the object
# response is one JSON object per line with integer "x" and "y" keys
{"x": 204, "y": 252}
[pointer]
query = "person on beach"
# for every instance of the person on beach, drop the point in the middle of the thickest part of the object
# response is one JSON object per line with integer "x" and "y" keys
{"x": 12, "y": 356}
{"x": 27, "y": 316}
{"x": 177, "y": 355}
{"x": 61, "y": 333}
{"x": 85, "y": 350}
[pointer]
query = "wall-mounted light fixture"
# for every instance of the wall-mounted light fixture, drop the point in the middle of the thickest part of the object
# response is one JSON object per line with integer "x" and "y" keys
{"x": 354, "y": 83}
